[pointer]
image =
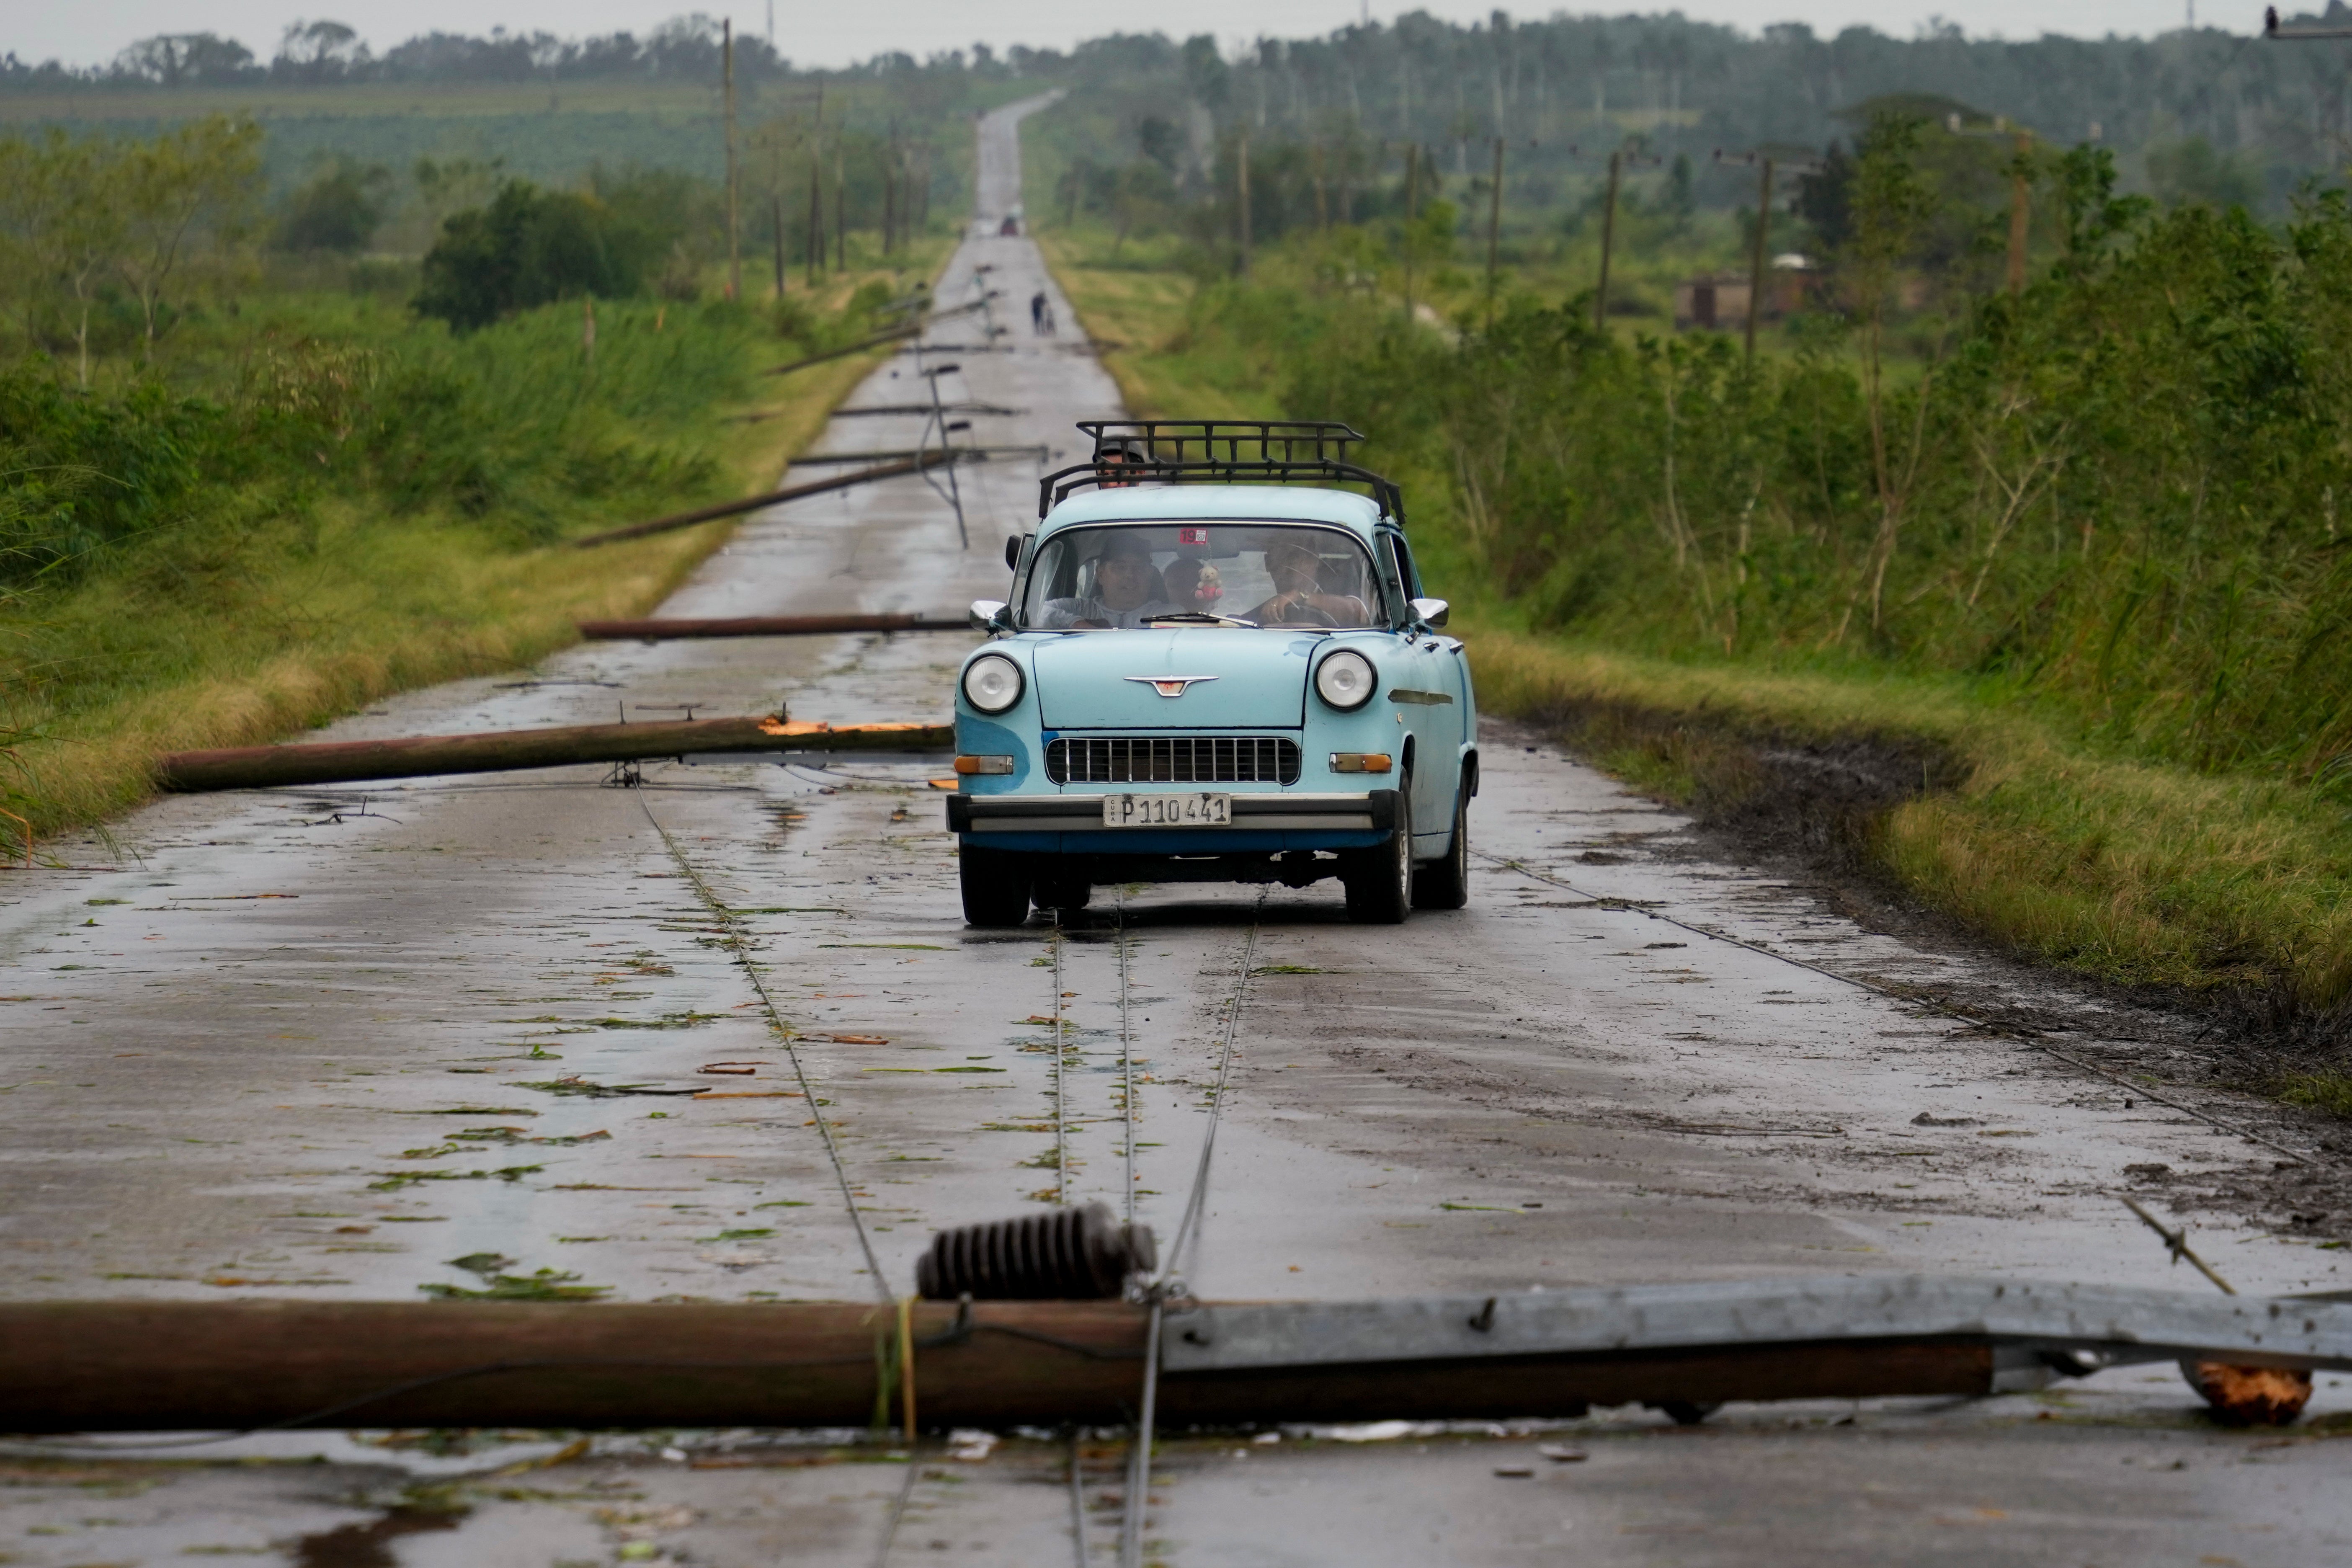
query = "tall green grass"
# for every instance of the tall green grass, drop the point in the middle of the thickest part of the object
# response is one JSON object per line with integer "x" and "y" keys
{"x": 2120, "y": 495}
{"x": 320, "y": 499}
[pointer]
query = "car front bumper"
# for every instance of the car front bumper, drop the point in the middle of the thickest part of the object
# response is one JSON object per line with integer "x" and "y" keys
{"x": 1252, "y": 814}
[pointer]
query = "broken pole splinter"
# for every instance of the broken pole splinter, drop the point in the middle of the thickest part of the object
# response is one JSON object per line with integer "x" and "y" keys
{"x": 353, "y": 762}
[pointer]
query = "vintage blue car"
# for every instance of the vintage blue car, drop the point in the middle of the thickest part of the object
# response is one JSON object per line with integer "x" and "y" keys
{"x": 1217, "y": 665}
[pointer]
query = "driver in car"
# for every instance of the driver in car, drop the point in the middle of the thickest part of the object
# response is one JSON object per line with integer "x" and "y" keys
{"x": 1127, "y": 590}
{"x": 1298, "y": 596}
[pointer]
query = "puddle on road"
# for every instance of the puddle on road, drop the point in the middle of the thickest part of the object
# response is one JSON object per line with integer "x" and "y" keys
{"x": 369, "y": 1545}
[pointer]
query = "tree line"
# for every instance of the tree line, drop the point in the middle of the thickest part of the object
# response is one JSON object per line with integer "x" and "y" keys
{"x": 2120, "y": 490}
{"x": 2272, "y": 113}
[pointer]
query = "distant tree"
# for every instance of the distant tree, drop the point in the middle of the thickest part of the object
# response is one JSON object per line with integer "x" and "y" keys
{"x": 319, "y": 51}
{"x": 1162, "y": 141}
{"x": 196, "y": 183}
{"x": 338, "y": 209}
{"x": 1206, "y": 74}
{"x": 1891, "y": 205}
{"x": 60, "y": 226}
{"x": 186, "y": 59}
{"x": 1825, "y": 197}
{"x": 448, "y": 186}
{"x": 526, "y": 248}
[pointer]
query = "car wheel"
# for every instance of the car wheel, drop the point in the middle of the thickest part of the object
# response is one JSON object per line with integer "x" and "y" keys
{"x": 995, "y": 888}
{"x": 1446, "y": 884}
{"x": 1380, "y": 881}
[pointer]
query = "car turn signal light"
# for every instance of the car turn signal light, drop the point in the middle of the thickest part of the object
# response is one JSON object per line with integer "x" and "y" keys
{"x": 1004, "y": 764}
{"x": 1352, "y": 762}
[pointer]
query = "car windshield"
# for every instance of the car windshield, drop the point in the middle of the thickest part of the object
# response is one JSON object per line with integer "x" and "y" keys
{"x": 1293, "y": 575}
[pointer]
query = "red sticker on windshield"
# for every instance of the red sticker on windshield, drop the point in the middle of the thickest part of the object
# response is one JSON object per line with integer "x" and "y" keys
{"x": 1192, "y": 536}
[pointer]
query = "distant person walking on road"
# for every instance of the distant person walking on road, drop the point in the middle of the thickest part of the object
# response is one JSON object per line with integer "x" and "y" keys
{"x": 1041, "y": 314}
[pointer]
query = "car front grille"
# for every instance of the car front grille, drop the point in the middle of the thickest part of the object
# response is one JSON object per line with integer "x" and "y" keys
{"x": 1173, "y": 759}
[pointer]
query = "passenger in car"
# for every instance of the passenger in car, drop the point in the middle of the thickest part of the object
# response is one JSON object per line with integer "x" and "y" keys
{"x": 1127, "y": 590}
{"x": 1298, "y": 596}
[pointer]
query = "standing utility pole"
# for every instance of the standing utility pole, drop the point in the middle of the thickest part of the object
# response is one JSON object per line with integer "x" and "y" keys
{"x": 734, "y": 233}
{"x": 1756, "y": 257}
{"x": 840, "y": 206}
{"x": 1493, "y": 231}
{"x": 1412, "y": 203}
{"x": 2018, "y": 213}
{"x": 1322, "y": 207}
{"x": 1760, "y": 247}
{"x": 776, "y": 217}
{"x": 1245, "y": 203}
{"x": 2020, "y": 177}
{"x": 815, "y": 220}
{"x": 1608, "y": 243}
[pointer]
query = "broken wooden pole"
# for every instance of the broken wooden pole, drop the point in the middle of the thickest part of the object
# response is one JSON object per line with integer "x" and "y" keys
{"x": 753, "y": 503}
{"x": 769, "y": 626}
{"x": 875, "y": 341}
{"x": 114, "y": 1366}
{"x": 156, "y": 1365}
{"x": 173, "y": 1366}
{"x": 900, "y": 455}
{"x": 415, "y": 756}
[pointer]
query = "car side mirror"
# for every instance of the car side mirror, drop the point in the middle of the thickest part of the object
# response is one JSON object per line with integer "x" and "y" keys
{"x": 992, "y": 615}
{"x": 1432, "y": 613}
{"x": 1011, "y": 552}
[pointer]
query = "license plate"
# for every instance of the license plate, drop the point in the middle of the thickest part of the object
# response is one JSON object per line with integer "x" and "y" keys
{"x": 1168, "y": 810}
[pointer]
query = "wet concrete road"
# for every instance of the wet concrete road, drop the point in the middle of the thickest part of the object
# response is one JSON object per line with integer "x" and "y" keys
{"x": 323, "y": 1043}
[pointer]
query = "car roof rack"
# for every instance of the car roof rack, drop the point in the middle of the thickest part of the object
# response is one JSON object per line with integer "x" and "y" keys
{"x": 1219, "y": 452}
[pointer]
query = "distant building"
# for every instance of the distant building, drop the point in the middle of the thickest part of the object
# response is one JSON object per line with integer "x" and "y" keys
{"x": 1718, "y": 302}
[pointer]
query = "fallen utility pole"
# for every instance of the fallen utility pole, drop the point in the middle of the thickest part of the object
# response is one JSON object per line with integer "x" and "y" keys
{"x": 859, "y": 347}
{"x": 753, "y": 503}
{"x": 924, "y": 409}
{"x": 768, "y": 626}
{"x": 176, "y": 1365}
{"x": 894, "y": 334}
{"x": 811, "y": 459}
{"x": 415, "y": 756}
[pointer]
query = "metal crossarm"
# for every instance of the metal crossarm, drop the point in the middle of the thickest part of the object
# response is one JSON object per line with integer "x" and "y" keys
{"x": 1218, "y": 451}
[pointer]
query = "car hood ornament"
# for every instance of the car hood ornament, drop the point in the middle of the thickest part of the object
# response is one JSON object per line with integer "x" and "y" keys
{"x": 1173, "y": 685}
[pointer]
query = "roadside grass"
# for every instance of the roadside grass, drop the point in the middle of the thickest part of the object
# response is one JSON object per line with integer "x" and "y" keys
{"x": 1135, "y": 305}
{"x": 2123, "y": 869}
{"x": 272, "y": 611}
{"x": 2328, "y": 1091}
{"x": 2127, "y": 871}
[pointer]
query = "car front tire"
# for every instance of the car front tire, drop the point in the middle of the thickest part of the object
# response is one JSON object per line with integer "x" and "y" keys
{"x": 1380, "y": 879}
{"x": 995, "y": 888}
{"x": 1446, "y": 884}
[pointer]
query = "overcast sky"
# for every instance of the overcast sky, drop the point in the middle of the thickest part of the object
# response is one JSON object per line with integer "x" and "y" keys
{"x": 90, "y": 31}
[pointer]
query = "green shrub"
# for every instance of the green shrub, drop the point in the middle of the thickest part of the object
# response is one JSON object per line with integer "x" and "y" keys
{"x": 528, "y": 247}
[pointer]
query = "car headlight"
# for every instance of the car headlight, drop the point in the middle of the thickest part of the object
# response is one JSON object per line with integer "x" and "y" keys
{"x": 1346, "y": 679}
{"x": 991, "y": 683}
